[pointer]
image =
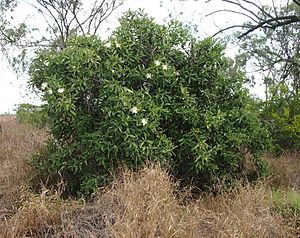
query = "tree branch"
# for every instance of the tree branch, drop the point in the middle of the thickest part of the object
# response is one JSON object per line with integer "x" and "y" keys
{"x": 228, "y": 28}
{"x": 231, "y": 11}
{"x": 281, "y": 21}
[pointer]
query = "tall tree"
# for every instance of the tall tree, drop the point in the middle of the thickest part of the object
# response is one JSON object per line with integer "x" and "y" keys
{"x": 274, "y": 52}
{"x": 58, "y": 20}
{"x": 268, "y": 40}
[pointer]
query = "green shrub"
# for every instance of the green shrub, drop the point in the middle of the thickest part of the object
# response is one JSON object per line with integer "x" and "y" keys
{"x": 282, "y": 115}
{"x": 32, "y": 114}
{"x": 288, "y": 204}
{"x": 150, "y": 92}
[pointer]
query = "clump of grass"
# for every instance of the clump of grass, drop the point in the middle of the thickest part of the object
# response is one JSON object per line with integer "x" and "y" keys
{"x": 148, "y": 204}
{"x": 38, "y": 216}
{"x": 290, "y": 198}
{"x": 18, "y": 142}
{"x": 244, "y": 211}
{"x": 287, "y": 202}
{"x": 285, "y": 170}
{"x": 139, "y": 204}
{"x": 145, "y": 205}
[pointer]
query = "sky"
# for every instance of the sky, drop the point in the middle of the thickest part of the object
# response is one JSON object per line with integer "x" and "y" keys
{"x": 14, "y": 89}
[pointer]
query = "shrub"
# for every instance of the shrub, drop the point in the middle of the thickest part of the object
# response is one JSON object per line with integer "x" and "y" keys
{"x": 150, "y": 92}
{"x": 288, "y": 204}
{"x": 282, "y": 115}
{"x": 32, "y": 114}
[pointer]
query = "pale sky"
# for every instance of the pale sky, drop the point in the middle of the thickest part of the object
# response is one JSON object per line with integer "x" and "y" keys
{"x": 13, "y": 90}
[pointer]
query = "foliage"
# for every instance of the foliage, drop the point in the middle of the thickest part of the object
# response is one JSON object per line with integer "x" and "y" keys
{"x": 58, "y": 20}
{"x": 288, "y": 204}
{"x": 32, "y": 114}
{"x": 150, "y": 92}
{"x": 274, "y": 53}
{"x": 282, "y": 115}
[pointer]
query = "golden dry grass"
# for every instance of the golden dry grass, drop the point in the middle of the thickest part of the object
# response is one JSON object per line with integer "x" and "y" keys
{"x": 18, "y": 143}
{"x": 148, "y": 204}
{"x": 6, "y": 118}
{"x": 143, "y": 204}
{"x": 285, "y": 170}
{"x": 148, "y": 207}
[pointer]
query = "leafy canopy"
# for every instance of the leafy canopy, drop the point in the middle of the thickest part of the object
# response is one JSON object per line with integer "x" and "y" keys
{"x": 149, "y": 92}
{"x": 274, "y": 53}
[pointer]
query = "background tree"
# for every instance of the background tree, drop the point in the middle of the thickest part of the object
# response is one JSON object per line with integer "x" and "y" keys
{"x": 57, "y": 21}
{"x": 274, "y": 54}
{"x": 269, "y": 45}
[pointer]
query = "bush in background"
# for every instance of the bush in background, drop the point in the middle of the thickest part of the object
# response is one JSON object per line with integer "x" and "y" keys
{"x": 32, "y": 114}
{"x": 282, "y": 115}
{"x": 150, "y": 92}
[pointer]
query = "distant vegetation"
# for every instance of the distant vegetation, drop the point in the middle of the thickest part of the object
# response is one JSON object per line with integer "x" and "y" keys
{"x": 32, "y": 114}
{"x": 274, "y": 53}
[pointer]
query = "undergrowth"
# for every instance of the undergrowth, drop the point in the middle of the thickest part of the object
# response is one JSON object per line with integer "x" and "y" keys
{"x": 147, "y": 203}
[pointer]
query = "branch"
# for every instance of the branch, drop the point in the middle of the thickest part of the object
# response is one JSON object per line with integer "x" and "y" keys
{"x": 44, "y": 4}
{"x": 106, "y": 14}
{"x": 297, "y": 2}
{"x": 228, "y": 28}
{"x": 79, "y": 25}
{"x": 281, "y": 21}
{"x": 242, "y": 7}
{"x": 96, "y": 10}
{"x": 232, "y": 11}
{"x": 265, "y": 18}
{"x": 261, "y": 9}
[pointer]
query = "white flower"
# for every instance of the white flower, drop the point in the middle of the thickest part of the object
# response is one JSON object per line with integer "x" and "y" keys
{"x": 165, "y": 67}
{"x": 50, "y": 91}
{"x": 118, "y": 45}
{"x": 176, "y": 73}
{"x": 44, "y": 85}
{"x": 46, "y": 63}
{"x": 60, "y": 90}
{"x": 157, "y": 62}
{"x": 134, "y": 110}
{"x": 148, "y": 76}
{"x": 108, "y": 44}
{"x": 144, "y": 121}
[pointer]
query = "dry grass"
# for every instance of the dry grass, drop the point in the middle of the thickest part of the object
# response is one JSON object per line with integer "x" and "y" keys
{"x": 285, "y": 184}
{"x": 39, "y": 216}
{"x": 148, "y": 204}
{"x": 285, "y": 170}
{"x": 148, "y": 207}
{"x": 142, "y": 204}
{"x": 18, "y": 143}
